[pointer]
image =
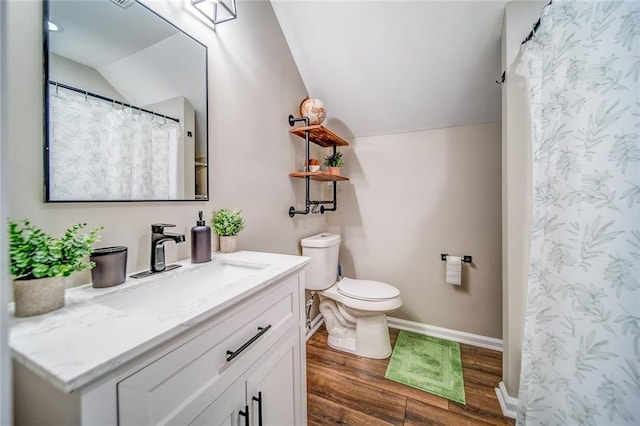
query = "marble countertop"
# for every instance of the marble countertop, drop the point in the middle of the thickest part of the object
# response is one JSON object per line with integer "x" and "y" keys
{"x": 99, "y": 329}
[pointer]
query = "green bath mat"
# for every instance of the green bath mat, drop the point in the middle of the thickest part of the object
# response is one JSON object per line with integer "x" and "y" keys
{"x": 429, "y": 364}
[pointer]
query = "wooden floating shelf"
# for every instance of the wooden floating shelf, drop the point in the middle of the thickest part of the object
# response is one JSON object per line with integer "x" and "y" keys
{"x": 320, "y": 135}
{"x": 319, "y": 176}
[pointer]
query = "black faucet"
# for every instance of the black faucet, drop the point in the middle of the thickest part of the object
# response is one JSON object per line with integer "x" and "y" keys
{"x": 158, "y": 238}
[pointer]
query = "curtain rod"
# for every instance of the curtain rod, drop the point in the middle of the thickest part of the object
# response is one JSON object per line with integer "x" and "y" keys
{"x": 500, "y": 81}
{"x": 104, "y": 98}
{"x": 535, "y": 26}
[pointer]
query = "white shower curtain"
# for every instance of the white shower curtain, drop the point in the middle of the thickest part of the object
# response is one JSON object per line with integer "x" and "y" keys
{"x": 581, "y": 350}
{"x": 98, "y": 151}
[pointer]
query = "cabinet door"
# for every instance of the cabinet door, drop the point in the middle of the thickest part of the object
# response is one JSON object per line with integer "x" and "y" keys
{"x": 274, "y": 391}
{"x": 226, "y": 409}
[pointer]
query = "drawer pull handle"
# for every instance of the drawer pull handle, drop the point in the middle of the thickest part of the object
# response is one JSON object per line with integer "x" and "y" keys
{"x": 245, "y": 414}
{"x": 259, "y": 400}
{"x": 261, "y": 330}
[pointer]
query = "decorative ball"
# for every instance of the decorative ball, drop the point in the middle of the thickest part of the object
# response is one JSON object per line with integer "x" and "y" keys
{"x": 313, "y": 109}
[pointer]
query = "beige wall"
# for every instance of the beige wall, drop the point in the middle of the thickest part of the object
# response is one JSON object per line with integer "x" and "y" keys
{"x": 253, "y": 86}
{"x": 516, "y": 186}
{"x": 413, "y": 196}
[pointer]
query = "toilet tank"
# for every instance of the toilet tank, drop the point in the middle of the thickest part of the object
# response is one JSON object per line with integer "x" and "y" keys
{"x": 323, "y": 250}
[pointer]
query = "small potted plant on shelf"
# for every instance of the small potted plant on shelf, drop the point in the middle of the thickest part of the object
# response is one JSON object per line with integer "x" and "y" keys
{"x": 227, "y": 224}
{"x": 333, "y": 163}
{"x": 39, "y": 263}
{"x": 314, "y": 165}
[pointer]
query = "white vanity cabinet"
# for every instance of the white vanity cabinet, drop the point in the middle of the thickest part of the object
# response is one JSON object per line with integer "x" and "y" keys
{"x": 179, "y": 386}
{"x": 245, "y": 365}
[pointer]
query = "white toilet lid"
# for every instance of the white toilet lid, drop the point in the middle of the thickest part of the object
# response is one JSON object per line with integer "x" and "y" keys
{"x": 367, "y": 290}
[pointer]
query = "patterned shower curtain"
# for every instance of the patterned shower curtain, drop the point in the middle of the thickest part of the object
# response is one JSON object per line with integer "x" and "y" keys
{"x": 581, "y": 350}
{"x": 99, "y": 151}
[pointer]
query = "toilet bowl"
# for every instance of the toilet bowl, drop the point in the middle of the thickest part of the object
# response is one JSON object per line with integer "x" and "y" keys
{"x": 354, "y": 310}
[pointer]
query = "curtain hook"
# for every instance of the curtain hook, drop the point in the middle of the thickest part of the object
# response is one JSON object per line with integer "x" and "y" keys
{"x": 113, "y": 103}
{"x": 153, "y": 116}
{"x": 165, "y": 119}
{"x": 86, "y": 96}
{"x": 56, "y": 88}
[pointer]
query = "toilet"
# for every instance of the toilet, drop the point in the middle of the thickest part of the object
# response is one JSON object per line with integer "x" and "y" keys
{"x": 354, "y": 311}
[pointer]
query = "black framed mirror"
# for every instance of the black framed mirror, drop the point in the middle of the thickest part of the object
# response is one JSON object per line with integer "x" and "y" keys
{"x": 125, "y": 104}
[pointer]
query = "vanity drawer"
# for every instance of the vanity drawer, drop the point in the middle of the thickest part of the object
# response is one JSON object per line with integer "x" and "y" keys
{"x": 177, "y": 387}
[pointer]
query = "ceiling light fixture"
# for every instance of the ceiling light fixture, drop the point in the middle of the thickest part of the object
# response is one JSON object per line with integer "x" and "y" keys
{"x": 54, "y": 28}
{"x": 217, "y": 11}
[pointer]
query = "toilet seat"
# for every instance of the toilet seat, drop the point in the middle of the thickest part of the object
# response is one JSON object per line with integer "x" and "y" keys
{"x": 364, "y": 302}
{"x": 366, "y": 290}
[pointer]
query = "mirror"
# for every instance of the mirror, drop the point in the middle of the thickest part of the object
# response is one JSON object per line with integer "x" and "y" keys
{"x": 125, "y": 105}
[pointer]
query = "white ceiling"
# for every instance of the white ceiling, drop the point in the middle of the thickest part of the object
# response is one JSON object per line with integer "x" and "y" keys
{"x": 384, "y": 67}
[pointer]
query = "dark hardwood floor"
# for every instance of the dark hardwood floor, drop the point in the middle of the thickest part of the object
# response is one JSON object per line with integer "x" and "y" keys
{"x": 351, "y": 390}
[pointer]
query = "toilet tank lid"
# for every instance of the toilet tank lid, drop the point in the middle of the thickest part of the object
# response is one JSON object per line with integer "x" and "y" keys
{"x": 321, "y": 240}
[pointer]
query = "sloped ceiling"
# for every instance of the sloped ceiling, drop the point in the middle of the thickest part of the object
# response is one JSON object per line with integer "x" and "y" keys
{"x": 99, "y": 32}
{"x": 384, "y": 67}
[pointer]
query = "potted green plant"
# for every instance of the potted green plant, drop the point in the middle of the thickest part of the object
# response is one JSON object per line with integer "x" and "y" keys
{"x": 227, "y": 224}
{"x": 39, "y": 263}
{"x": 333, "y": 163}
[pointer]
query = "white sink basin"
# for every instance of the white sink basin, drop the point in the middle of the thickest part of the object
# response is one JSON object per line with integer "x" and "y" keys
{"x": 182, "y": 287}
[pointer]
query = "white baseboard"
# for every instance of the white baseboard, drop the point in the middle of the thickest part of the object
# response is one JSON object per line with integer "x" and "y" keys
{"x": 315, "y": 325}
{"x": 445, "y": 333}
{"x": 508, "y": 404}
{"x": 430, "y": 330}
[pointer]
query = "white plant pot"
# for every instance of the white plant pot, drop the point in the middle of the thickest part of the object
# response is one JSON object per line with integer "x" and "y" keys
{"x": 38, "y": 296}
{"x": 228, "y": 243}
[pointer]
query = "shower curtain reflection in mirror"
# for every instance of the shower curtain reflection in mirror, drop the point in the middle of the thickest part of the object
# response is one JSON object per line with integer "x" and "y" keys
{"x": 102, "y": 151}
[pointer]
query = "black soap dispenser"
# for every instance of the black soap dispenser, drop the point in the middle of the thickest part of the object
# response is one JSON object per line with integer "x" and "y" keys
{"x": 200, "y": 241}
